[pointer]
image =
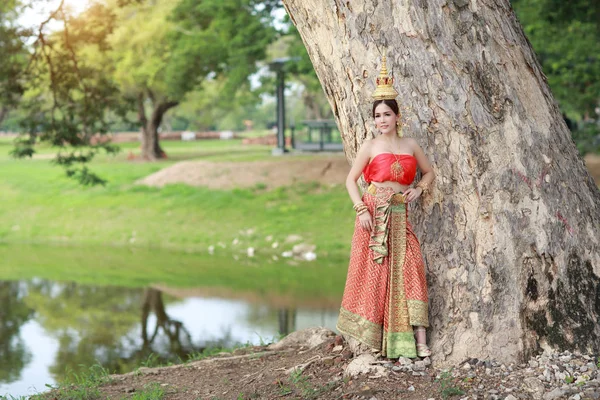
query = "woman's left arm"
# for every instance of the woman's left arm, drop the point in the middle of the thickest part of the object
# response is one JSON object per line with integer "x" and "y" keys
{"x": 427, "y": 174}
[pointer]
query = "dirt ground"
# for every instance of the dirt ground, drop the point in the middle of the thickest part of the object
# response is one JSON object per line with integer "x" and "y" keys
{"x": 318, "y": 366}
{"x": 257, "y": 373}
{"x": 327, "y": 169}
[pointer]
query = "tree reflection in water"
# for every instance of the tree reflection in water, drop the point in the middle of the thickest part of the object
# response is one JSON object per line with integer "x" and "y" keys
{"x": 99, "y": 325}
{"x": 14, "y": 313}
{"x": 180, "y": 340}
{"x": 287, "y": 320}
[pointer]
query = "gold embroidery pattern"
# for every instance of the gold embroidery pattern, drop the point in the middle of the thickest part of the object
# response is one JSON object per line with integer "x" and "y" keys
{"x": 418, "y": 313}
{"x": 359, "y": 328}
{"x": 397, "y": 170}
{"x": 397, "y": 311}
{"x": 382, "y": 301}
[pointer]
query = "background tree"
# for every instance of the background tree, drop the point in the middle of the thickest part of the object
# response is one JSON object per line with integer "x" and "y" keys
{"x": 511, "y": 233}
{"x": 566, "y": 38}
{"x": 66, "y": 95}
{"x": 14, "y": 57}
{"x": 167, "y": 49}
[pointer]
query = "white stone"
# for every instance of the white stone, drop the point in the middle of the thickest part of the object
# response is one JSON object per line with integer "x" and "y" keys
{"x": 535, "y": 387}
{"x": 363, "y": 364}
{"x": 310, "y": 337}
{"x": 555, "y": 394}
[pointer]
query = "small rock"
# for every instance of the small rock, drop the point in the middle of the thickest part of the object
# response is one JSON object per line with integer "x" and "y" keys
{"x": 363, "y": 365}
{"x": 533, "y": 364}
{"x": 411, "y": 388}
{"x": 488, "y": 371}
{"x": 337, "y": 348}
{"x": 397, "y": 369}
{"x": 466, "y": 366}
{"x": 293, "y": 238}
{"x": 565, "y": 359}
{"x": 576, "y": 397}
{"x": 419, "y": 366}
{"x": 557, "y": 393}
{"x": 535, "y": 387}
{"x": 583, "y": 369}
{"x": 129, "y": 390}
{"x": 493, "y": 391}
{"x": 510, "y": 397}
{"x": 404, "y": 361}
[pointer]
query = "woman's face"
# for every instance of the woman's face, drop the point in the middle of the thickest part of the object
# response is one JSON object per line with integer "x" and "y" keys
{"x": 385, "y": 119}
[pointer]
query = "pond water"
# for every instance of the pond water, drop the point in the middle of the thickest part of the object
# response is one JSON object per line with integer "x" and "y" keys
{"x": 49, "y": 328}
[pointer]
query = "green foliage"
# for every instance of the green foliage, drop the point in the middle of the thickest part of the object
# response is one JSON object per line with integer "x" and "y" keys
{"x": 79, "y": 386}
{"x": 302, "y": 384}
{"x": 65, "y": 94}
{"x": 447, "y": 387}
{"x": 211, "y": 37}
{"x": 152, "y": 391}
{"x": 566, "y": 39}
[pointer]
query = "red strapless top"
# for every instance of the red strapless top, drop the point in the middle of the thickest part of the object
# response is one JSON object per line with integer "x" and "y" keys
{"x": 400, "y": 168}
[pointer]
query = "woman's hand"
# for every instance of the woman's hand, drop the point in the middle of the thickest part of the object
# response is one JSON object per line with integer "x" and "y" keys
{"x": 366, "y": 222}
{"x": 412, "y": 194}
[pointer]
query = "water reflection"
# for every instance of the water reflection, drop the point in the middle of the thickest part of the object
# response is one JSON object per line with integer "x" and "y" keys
{"x": 48, "y": 328}
{"x": 14, "y": 313}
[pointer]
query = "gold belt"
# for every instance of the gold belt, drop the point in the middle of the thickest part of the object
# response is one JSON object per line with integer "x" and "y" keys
{"x": 397, "y": 198}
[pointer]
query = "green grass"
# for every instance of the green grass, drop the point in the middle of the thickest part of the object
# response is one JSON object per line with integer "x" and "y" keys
{"x": 134, "y": 235}
{"x": 82, "y": 385}
{"x": 152, "y": 391}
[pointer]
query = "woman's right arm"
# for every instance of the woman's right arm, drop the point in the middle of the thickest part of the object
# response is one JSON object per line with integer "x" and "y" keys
{"x": 360, "y": 162}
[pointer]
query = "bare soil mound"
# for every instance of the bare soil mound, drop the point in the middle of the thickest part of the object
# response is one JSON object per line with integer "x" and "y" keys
{"x": 328, "y": 170}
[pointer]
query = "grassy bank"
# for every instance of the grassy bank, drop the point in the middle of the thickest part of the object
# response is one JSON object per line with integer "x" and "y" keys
{"x": 129, "y": 234}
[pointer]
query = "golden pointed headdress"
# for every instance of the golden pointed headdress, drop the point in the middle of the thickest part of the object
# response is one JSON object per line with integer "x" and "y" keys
{"x": 384, "y": 90}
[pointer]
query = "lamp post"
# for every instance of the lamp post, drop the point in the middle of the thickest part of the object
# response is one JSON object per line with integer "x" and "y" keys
{"x": 277, "y": 66}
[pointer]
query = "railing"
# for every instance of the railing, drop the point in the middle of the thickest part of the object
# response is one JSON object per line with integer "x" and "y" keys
{"x": 318, "y": 135}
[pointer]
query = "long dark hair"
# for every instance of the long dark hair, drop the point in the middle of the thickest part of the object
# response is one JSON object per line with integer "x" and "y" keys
{"x": 393, "y": 104}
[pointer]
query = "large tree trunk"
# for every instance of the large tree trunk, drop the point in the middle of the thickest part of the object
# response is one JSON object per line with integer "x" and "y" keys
{"x": 151, "y": 149}
{"x": 510, "y": 234}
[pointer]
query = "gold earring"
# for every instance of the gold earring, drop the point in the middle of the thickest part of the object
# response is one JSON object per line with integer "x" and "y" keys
{"x": 399, "y": 129}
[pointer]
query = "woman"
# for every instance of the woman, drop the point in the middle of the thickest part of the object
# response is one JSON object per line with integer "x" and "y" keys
{"x": 385, "y": 299}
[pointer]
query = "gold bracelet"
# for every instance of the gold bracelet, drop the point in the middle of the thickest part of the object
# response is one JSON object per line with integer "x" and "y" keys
{"x": 362, "y": 211}
{"x": 424, "y": 186}
{"x": 358, "y": 205}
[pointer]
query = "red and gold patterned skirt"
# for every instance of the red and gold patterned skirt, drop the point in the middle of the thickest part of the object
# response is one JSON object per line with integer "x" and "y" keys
{"x": 386, "y": 289}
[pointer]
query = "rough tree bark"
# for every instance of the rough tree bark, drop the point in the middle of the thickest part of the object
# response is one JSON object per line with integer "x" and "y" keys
{"x": 151, "y": 149}
{"x": 510, "y": 234}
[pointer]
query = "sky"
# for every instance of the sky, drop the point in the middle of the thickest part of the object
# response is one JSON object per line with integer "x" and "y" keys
{"x": 33, "y": 17}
